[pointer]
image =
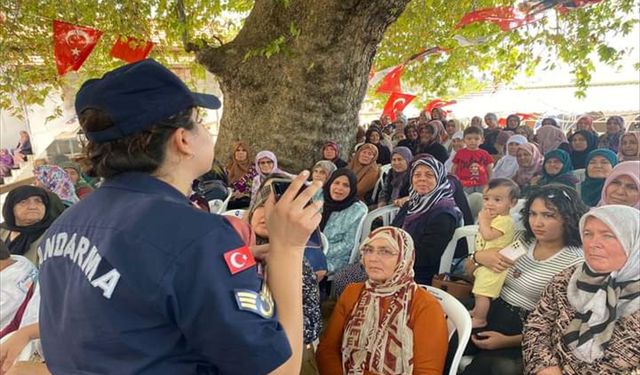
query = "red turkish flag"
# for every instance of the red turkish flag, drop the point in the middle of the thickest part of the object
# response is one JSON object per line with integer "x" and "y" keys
{"x": 72, "y": 45}
{"x": 396, "y": 103}
{"x": 507, "y": 18}
{"x": 391, "y": 82}
{"x": 131, "y": 49}
{"x": 438, "y": 103}
{"x": 239, "y": 259}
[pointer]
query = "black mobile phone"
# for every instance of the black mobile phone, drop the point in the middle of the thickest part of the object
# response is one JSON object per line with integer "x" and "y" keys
{"x": 279, "y": 186}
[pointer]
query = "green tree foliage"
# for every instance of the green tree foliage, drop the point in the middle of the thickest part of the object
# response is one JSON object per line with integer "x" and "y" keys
{"x": 28, "y": 70}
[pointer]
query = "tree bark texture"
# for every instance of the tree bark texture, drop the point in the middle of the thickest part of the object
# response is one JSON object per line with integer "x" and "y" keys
{"x": 311, "y": 90}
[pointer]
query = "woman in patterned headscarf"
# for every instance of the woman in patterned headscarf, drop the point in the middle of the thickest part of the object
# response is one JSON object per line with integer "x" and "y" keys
{"x": 57, "y": 181}
{"x": 430, "y": 215}
{"x": 388, "y": 308}
{"x": 588, "y": 318}
{"x": 615, "y": 130}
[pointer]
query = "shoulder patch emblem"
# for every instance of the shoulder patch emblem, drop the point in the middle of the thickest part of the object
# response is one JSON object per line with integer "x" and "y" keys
{"x": 260, "y": 304}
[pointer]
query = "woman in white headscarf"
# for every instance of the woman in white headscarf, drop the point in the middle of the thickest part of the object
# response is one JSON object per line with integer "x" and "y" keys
{"x": 507, "y": 166}
{"x": 588, "y": 319}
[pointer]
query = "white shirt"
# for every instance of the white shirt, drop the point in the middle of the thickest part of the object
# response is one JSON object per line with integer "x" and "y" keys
{"x": 15, "y": 281}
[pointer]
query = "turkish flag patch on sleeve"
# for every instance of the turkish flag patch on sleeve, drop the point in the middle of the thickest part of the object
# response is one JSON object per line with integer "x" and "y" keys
{"x": 239, "y": 259}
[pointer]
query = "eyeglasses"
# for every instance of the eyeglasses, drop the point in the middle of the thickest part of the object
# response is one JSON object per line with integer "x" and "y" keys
{"x": 383, "y": 253}
{"x": 266, "y": 162}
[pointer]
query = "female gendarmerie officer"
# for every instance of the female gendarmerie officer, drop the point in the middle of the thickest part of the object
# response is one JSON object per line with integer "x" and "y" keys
{"x": 134, "y": 280}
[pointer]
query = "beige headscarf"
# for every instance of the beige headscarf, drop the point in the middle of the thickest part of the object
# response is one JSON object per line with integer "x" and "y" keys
{"x": 385, "y": 348}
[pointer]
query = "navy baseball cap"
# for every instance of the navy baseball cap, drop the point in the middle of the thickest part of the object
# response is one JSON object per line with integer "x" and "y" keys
{"x": 137, "y": 96}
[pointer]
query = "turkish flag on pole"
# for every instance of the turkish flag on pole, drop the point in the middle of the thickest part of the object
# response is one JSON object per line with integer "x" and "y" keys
{"x": 391, "y": 82}
{"x": 131, "y": 49}
{"x": 72, "y": 45}
{"x": 396, "y": 103}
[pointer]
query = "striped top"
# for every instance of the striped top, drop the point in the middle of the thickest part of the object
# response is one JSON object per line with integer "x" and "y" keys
{"x": 528, "y": 277}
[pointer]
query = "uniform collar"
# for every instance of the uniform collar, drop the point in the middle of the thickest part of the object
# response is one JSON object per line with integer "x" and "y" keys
{"x": 145, "y": 183}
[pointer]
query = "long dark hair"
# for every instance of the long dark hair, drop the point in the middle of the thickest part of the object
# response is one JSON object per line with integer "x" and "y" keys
{"x": 566, "y": 202}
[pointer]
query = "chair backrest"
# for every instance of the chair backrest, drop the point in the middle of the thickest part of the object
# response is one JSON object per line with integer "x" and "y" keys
{"x": 515, "y": 214}
{"x": 236, "y": 213}
{"x": 217, "y": 206}
{"x": 356, "y": 244}
{"x": 386, "y": 213}
{"x": 384, "y": 169}
{"x": 458, "y": 319}
{"x": 580, "y": 173}
{"x": 325, "y": 243}
{"x": 468, "y": 232}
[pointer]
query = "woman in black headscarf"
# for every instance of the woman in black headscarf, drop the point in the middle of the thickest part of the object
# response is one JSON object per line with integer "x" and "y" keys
{"x": 374, "y": 136}
{"x": 341, "y": 215}
{"x": 581, "y": 143}
{"x": 28, "y": 211}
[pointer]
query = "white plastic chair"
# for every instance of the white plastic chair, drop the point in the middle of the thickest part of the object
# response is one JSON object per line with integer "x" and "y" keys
{"x": 236, "y": 213}
{"x": 356, "y": 246}
{"x": 458, "y": 319}
{"x": 325, "y": 243}
{"x": 217, "y": 206}
{"x": 468, "y": 232}
{"x": 384, "y": 169}
{"x": 580, "y": 173}
{"x": 515, "y": 214}
{"x": 386, "y": 213}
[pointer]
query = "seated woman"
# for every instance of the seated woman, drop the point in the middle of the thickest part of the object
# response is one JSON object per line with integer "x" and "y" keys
{"x": 240, "y": 172}
{"x": 550, "y": 136}
{"x": 322, "y": 170}
{"x": 57, "y": 181}
{"x": 588, "y": 318}
{"x": 600, "y": 163}
{"x": 28, "y": 212}
{"x": 611, "y": 139}
{"x": 552, "y": 243}
{"x": 23, "y": 148}
{"x": 366, "y": 170}
{"x": 6, "y": 163}
{"x": 75, "y": 174}
{"x": 256, "y": 217}
{"x": 430, "y": 216}
{"x": 629, "y": 148}
{"x": 387, "y": 325}
{"x": 457, "y": 143}
{"x": 430, "y": 136}
{"x": 374, "y": 136}
{"x": 581, "y": 144}
{"x": 507, "y": 166}
{"x": 410, "y": 140}
{"x": 452, "y": 127}
{"x": 396, "y": 184}
{"x": 265, "y": 164}
{"x": 17, "y": 278}
{"x": 529, "y": 165}
{"x": 331, "y": 152}
{"x": 341, "y": 217}
{"x": 623, "y": 185}
{"x": 557, "y": 169}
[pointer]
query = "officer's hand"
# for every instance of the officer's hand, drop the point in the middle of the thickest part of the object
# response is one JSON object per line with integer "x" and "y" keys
{"x": 291, "y": 220}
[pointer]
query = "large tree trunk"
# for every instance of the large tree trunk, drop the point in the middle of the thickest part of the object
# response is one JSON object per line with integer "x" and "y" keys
{"x": 311, "y": 90}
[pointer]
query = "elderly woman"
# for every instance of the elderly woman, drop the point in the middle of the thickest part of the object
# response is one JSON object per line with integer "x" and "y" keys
{"x": 550, "y": 136}
{"x": 396, "y": 183}
{"x": 600, "y": 163}
{"x": 312, "y": 323}
{"x": 6, "y": 162}
{"x": 266, "y": 163}
{"x": 388, "y": 308}
{"x": 322, "y": 170}
{"x": 615, "y": 130}
{"x": 623, "y": 185}
{"x": 366, "y": 170}
{"x": 57, "y": 181}
{"x": 588, "y": 318}
{"x": 430, "y": 216}
{"x": 557, "y": 169}
{"x": 28, "y": 212}
{"x": 75, "y": 174}
{"x": 507, "y": 166}
{"x": 331, "y": 152}
{"x": 629, "y": 148}
{"x": 529, "y": 164}
{"x": 341, "y": 217}
{"x": 552, "y": 243}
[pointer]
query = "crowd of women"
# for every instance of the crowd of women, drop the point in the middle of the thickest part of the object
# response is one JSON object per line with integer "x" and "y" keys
{"x": 570, "y": 305}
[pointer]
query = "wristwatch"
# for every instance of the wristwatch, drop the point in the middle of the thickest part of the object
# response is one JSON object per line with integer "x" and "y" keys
{"x": 475, "y": 261}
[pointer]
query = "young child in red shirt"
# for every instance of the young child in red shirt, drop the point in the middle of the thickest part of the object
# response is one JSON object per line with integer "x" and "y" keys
{"x": 472, "y": 165}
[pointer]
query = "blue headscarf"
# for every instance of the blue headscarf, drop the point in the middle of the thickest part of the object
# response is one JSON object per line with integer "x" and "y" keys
{"x": 591, "y": 188}
{"x": 565, "y": 176}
